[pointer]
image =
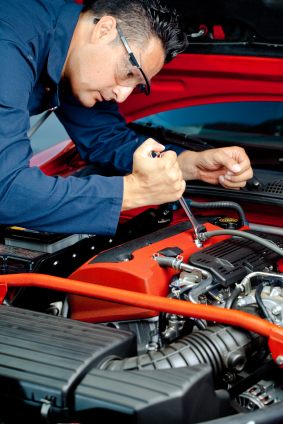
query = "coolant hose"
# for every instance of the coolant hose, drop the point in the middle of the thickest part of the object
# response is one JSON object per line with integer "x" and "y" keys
{"x": 178, "y": 264}
{"x": 233, "y": 298}
{"x": 221, "y": 347}
{"x": 236, "y": 233}
{"x": 199, "y": 289}
{"x": 221, "y": 205}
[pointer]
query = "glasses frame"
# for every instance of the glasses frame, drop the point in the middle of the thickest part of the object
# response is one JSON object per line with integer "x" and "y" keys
{"x": 132, "y": 58}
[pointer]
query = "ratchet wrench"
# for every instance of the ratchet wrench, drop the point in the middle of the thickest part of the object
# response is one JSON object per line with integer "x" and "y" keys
{"x": 198, "y": 228}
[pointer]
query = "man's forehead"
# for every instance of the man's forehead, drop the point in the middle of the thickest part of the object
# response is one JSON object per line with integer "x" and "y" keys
{"x": 152, "y": 56}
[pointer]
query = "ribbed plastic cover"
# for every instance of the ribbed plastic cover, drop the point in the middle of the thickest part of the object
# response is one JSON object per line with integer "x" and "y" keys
{"x": 172, "y": 396}
{"x": 45, "y": 357}
{"x": 232, "y": 259}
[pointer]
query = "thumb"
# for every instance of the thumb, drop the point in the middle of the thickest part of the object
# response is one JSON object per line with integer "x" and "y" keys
{"x": 148, "y": 146}
{"x": 230, "y": 163}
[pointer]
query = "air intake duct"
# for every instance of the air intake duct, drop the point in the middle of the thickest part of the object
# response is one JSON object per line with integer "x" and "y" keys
{"x": 223, "y": 347}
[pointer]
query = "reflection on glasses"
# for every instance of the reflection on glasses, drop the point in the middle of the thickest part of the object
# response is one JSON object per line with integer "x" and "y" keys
{"x": 128, "y": 75}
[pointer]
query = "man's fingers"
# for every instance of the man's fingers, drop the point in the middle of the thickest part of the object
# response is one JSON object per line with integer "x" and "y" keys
{"x": 229, "y": 184}
{"x": 171, "y": 157}
{"x": 231, "y": 164}
{"x": 236, "y": 163}
{"x": 238, "y": 178}
{"x": 149, "y": 146}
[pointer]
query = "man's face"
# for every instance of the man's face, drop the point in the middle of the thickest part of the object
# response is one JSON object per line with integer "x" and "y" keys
{"x": 92, "y": 67}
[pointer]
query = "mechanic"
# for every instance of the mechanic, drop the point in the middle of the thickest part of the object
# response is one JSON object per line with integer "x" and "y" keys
{"x": 75, "y": 58}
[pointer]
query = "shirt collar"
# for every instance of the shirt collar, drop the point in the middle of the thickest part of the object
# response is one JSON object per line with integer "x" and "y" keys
{"x": 64, "y": 30}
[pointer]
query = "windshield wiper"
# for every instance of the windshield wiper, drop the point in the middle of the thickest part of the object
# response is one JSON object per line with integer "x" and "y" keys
{"x": 185, "y": 141}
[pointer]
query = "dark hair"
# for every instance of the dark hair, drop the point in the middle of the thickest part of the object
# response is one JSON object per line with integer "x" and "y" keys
{"x": 141, "y": 19}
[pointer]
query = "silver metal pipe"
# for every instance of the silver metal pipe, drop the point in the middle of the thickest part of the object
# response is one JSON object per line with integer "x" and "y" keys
{"x": 266, "y": 229}
{"x": 186, "y": 267}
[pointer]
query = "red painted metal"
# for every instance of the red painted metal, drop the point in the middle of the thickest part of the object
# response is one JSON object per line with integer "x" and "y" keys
{"x": 3, "y": 291}
{"x": 62, "y": 158}
{"x": 146, "y": 301}
{"x": 142, "y": 274}
{"x": 218, "y": 32}
{"x": 191, "y": 80}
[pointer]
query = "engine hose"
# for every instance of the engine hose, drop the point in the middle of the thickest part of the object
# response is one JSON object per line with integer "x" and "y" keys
{"x": 200, "y": 324}
{"x": 233, "y": 298}
{"x": 265, "y": 243}
{"x": 221, "y": 205}
{"x": 223, "y": 347}
{"x": 198, "y": 290}
{"x": 178, "y": 264}
{"x": 259, "y": 300}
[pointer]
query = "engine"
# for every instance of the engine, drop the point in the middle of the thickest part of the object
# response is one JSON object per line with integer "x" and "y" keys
{"x": 229, "y": 272}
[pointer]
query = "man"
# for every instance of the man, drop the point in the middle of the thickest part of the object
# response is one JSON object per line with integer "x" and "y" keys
{"x": 81, "y": 61}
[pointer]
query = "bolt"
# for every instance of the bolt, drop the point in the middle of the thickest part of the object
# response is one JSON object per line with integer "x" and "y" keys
{"x": 279, "y": 360}
{"x": 202, "y": 298}
{"x": 256, "y": 184}
{"x": 110, "y": 240}
{"x": 220, "y": 296}
{"x": 276, "y": 310}
{"x": 92, "y": 247}
{"x": 74, "y": 255}
{"x": 165, "y": 212}
{"x": 229, "y": 377}
{"x": 56, "y": 263}
{"x": 241, "y": 302}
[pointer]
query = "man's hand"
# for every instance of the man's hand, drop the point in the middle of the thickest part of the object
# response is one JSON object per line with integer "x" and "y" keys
{"x": 229, "y": 166}
{"x": 154, "y": 181}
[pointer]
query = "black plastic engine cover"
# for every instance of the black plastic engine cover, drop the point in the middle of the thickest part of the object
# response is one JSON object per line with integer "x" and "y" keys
{"x": 232, "y": 259}
{"x": 44, "y": 358}
{"x": 165, "y": 396}
{"x": 47, "y": 374}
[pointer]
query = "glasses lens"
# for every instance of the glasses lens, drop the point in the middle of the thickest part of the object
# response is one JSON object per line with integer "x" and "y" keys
{"x": 128, "y": 75}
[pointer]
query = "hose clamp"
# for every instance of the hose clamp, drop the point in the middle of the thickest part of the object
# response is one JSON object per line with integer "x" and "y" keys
{"x": 45, "y": 409}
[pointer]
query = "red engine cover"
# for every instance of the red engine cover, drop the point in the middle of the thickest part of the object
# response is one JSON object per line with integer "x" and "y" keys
{"x": 142, "y": 274}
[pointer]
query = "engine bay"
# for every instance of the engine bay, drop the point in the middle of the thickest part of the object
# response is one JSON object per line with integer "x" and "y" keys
{"x": 155, "y": 255}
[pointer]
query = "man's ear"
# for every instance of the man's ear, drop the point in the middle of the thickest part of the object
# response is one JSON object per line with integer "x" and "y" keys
{"x": 104, "y": 31}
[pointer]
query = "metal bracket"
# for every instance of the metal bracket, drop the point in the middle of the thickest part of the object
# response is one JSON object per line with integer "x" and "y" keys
{"x": 45, "y": 409}
{"x": 275, "y": 344}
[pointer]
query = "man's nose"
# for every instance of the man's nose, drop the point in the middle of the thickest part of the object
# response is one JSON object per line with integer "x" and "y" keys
{"x": 122, "y": 93}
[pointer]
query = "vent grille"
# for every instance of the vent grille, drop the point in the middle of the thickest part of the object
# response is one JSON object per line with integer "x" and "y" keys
{"x": 275, "y": 187}
{"x": 230, "y": 260}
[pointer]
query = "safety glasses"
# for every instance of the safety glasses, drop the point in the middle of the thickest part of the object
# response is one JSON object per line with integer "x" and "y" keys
{"x": 129, "y": 72}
